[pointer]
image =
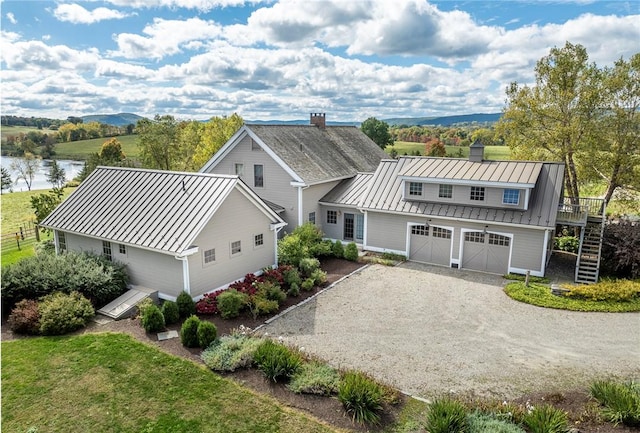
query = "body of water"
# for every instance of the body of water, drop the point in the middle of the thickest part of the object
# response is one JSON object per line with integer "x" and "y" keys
{"x": 71, "y": 169}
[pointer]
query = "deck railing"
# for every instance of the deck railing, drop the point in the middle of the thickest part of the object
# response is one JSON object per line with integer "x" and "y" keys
{"x": 573, "y": 210}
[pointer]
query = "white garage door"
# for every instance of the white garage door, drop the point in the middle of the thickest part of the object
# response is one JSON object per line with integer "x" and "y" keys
{"x": 486, "y": 252}
{"x": 429, "y": 244}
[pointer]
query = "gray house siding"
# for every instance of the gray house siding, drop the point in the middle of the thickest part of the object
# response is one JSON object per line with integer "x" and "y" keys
{"x": 277, "y": 183}
{"x": 145, "y": 268}
{"x": 223, "y": 229}
{"x": 310, "y": 198}
{"x": 461, "y": 195}
{"x": 390, "y": 232}
{"x": 336, "y": 231}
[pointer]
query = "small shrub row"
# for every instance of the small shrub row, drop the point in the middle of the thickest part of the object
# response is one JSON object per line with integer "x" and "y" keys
{"x": 263, "y": 294}
{"x": 306, "y": 242}
{"x": 197, "y": 333}
{"x": 605, "y": 290}
{"x": 54, "y": 314}
{"x": 447, "y": 415}
{"x": 154, "y": 318}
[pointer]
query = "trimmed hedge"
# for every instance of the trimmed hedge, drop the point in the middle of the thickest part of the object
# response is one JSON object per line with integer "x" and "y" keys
{"x": 98, "y": 279}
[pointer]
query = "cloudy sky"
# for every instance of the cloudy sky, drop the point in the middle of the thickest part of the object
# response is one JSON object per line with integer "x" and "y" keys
{"x": 267, "y": 60}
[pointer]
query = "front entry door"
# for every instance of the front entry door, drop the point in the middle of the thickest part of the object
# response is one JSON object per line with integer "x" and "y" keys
{"x": 348, "y": 227}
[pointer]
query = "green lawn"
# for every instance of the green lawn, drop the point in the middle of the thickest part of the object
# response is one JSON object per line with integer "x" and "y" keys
{"x": 491, "y": 152}
{"x": 80, "y": 150}
{"x": 112, "y": 383}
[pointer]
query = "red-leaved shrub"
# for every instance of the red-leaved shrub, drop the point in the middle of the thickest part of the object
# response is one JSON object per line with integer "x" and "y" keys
{"x": 25, "y": 317}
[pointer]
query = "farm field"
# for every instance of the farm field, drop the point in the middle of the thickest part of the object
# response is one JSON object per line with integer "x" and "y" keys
{"x": 80, "y": 150}
{"x": 15, "y": 130}
{"x": 491, "y": 152}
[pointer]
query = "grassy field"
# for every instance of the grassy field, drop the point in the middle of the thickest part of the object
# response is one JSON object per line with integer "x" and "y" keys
{"x": 491, "y": 152}
{"x": 80, "y": 150}
{"x": 111, "y": 383}
{"x": 15, "y": 130}
{"x": 16, "y": 208}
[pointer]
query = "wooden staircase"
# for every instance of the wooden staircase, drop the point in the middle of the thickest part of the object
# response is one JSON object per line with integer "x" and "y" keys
{"x": 588, "y": 261}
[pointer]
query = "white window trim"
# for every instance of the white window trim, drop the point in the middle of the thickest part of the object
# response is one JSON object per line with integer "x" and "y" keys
{"x": 255, "y": 247}
{"x": 448, "y": 185}
{"x": 231, "y": 253}
{"x": 504, "y": 191}
{"x": 204, "y": 260}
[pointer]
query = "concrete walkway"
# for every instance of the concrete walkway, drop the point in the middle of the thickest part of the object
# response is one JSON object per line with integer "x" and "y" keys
{"x": 429, "y": 330}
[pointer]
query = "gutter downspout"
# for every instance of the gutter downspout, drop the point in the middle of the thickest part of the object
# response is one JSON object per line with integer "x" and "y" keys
{"x": 184, "y": 258}
{"x": 300, "y": 186}
{"x": 276, "y": 229}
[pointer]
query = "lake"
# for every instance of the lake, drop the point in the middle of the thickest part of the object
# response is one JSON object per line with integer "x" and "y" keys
{"x": 71, "y": 169}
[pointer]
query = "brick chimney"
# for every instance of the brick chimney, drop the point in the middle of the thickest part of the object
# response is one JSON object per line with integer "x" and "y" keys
{"x": 318, "y": 119}
{"x": 476, "y": 151}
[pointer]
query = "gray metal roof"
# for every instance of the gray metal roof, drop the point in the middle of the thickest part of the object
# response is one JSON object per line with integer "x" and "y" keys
{"x": 515, "y": 173}
{"x": 385, "y": 194}
{"x": 349, "y": 192}
{"x": 158, "y": 210}
{"x": 321, "y": 154}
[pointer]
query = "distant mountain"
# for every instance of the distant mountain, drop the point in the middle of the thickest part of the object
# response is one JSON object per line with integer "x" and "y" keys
{"x": 445, "y": 120}
{"x": 120, "y": 119}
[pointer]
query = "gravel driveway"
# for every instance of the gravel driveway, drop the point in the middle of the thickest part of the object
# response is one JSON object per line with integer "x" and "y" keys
{"x": 428, "y": 330}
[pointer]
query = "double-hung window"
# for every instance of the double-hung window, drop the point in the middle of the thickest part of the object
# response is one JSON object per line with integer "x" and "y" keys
{"x": 258, "y": 176}
{"x": 62, "y": 242}
{"x": 236, "y": 248}
{"x": 106, "y": 250}
{"x": 209, "y": 256}
{"x": 445, "y": 191}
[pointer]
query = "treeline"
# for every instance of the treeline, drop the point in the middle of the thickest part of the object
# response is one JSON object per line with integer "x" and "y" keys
{"x": 447, "y": 135}
{"x": 34, "y": 122}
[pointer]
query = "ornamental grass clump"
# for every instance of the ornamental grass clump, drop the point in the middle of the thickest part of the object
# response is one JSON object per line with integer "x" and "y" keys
{"x": 231, "y": 352}
{"x": 447, "y": 416}
{"x": 620, "y": 401}
{"x": 361, "y": 397}
{"x": 315, "y": 377}
{"x": 277, "y": 361}
{"x": 546, "y": 419}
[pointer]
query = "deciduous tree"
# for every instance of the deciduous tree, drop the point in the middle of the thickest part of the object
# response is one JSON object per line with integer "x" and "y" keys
{"x": 217, "y": 131}
{"x": 556, "y": 118}
{"x": 158, "y": 142}
{"x": 378, "y": 131}
{"x": 26, "y": 168}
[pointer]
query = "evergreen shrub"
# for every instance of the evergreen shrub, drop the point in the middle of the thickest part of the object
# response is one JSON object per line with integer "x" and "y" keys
{"x": 207, "y": 333}
{"x": 152, "y": 319}
{"x": 171, "y": 312}
{"x": 186, "y": 305}
{"x": 61, "y": 313}
{"x": 189, "y": 331}
{"x": 351, "y": 252}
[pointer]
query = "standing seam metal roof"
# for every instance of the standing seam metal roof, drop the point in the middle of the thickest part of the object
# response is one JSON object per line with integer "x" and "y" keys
{"x": 513, "y": 172}
{"x": 158, "y": 210}
{"x": 385, "y": 194}
{"x": 349, "y": 192}
{"x": 320, "y": 154}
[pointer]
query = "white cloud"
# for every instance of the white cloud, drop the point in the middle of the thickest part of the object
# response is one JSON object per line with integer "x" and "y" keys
{"x": 77, "y": 14}
{"x": 201, "y": 5}
{"x": 12, "y": 18}
{"x": 165, "y": 38}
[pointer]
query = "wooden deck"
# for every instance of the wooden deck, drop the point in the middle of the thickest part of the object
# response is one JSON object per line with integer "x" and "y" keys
{"x": 576, "y": 211}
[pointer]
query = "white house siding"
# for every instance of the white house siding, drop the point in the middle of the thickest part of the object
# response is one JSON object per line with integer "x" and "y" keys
{"x": 146, "y": 268}
{"x": 388, "y": 232}
{"x": 236, "y": 220}
{"x": 277, "y": 182}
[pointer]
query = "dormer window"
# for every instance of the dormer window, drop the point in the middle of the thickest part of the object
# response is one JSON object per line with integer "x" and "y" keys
{"x": 445, "y": 191}
{"x": 415, "y": 188}
{"x": 511, "y": 196}
{"x": 477, "y": 193}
